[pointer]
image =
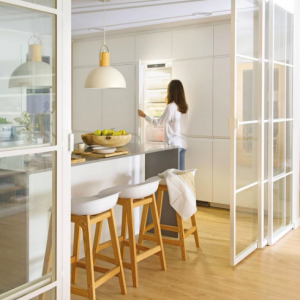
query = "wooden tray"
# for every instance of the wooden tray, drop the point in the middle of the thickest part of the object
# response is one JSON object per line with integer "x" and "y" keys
{"x": 75, "y": 160}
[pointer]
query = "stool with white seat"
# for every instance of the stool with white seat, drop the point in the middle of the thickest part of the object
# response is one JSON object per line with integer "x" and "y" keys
{"x": 87, "y": 211}
{"x": 183, "y": 233}
{"x": 133, "y": 196}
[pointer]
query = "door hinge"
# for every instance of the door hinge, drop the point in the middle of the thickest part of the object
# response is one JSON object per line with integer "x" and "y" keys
{"x": 71, "y": 142}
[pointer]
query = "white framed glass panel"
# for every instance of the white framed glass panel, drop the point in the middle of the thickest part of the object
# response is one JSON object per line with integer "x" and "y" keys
{"x": 28, "y": 93}
{"x": 48, "y": 3}
{"x": 27, "y": 218}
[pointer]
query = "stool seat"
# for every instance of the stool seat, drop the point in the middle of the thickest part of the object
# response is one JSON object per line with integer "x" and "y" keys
{"x": 135, "y": 191}
{"x": 94, "y": 205}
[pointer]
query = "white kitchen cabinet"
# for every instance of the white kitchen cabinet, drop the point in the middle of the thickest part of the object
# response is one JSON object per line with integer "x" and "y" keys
{"x": 222, "y": 39}
{"x": 86, "y": 53}
{"x": 199, "y": 156}
{"x": 192, "y": 42}
{"x": 119, "y": 109}
{"x": 221, "y": 171}
{"x": 197, "y": 79}
{"x": 86, "y": 105}
{"x": 221, "y": 96}
{"x": 154, "y": 46}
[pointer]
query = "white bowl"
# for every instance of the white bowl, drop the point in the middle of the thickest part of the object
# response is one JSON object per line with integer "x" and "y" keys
{"x": 94, "y": 146}
{"x": 104, "y": 150}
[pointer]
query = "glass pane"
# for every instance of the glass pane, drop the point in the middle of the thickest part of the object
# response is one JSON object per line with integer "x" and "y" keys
{"x": 289, "y": 92}
{"x": 247, "y": 28}
{"x": 266, "y": 90}
{"x": 49, "y": 3}
{"x": 27, "y": 204}
{"x": 246, "y": 165}
{"x": 267, "y": 10}
{"x": 266, "y": 224}
{"x": 283, "y": 147}
{"x": 289, "y": 197}
{"x": 279, "y": 92}
{"x": 278, "y": 203}
{"x": 27, "y": 78}
{"x": 246, "y": 218}
{"x": 290, "y": 36}
{"x": 49, "y": 295}
{"x": 279, "y": 34}
{"x": 247, "y": 89}
{"x": 266, "y": 151}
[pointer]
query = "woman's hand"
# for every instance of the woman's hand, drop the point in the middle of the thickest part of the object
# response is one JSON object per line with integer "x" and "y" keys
{"x": 141, "y": 114}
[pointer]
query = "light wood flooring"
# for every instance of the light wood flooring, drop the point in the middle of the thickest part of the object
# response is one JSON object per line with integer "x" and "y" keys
{"x": 267, "y": 274}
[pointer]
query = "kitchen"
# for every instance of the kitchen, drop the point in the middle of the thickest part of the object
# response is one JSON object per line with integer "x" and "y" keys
{"x": 149, "y": 44}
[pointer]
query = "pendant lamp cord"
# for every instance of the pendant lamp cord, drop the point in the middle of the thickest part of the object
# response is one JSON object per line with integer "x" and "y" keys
{"x": 104, "y": 22}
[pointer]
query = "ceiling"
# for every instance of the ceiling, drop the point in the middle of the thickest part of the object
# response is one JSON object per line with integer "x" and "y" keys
{"x": 128, "y": 14}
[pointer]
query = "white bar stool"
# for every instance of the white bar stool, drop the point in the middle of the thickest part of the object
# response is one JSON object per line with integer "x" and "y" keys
{"x": 133, "y": 196}
{"x": 87, "y": 211}
{"x": 183, "y": 233}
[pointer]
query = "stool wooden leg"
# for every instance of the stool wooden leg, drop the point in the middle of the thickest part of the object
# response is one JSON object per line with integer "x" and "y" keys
{"x": 116, "y": 249}
{"x": 143, "y": 225}
{"x": 160, "y": 197}
{"x": 76, "y": 247}
{"x": 157, "y": 233}
{"x": 132, "y": 243}
{"x": 196, "y": 234}
{"x": 97, "y": 239}
{"x": 181, "y": 236}
{"x": 89, "y": 257}
{"x": 123, "y": 231}
{"x": 48, "y": 255}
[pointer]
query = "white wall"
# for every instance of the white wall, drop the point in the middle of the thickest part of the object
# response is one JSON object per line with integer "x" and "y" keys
{"x": 200, "y": 59}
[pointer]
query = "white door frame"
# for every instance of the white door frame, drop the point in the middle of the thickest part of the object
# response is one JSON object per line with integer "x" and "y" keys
{"x": 63, "y": 151}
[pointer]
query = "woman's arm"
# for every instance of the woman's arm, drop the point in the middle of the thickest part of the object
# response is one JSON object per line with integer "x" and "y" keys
{"x": 158, "y": 122}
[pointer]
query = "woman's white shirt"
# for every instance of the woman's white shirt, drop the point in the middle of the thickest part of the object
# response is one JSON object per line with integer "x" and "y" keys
{"x": 175, "y": 124}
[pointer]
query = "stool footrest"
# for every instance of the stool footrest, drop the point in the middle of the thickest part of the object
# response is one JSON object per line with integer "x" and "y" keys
{"x": 79, "y": 291}
{"x": 106, "y": 258}
{"x": 107, "y": 244}
{"x": 110, "y": 274}
{"x": 188, "y": 232}
{"x": 162, "y": 227}
{"x": 169, "y": 241}
{"x": 148, "y": 253}
{"x": 99, "y": 269}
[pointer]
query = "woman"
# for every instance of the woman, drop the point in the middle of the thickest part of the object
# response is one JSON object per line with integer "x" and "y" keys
{"x": 174, "y": 119}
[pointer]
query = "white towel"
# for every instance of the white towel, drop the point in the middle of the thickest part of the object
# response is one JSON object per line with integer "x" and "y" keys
{"x": 182, "y": 193}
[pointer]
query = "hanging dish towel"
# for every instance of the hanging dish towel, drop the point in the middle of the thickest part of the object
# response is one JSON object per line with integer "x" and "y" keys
{"x": 182, "y": 192}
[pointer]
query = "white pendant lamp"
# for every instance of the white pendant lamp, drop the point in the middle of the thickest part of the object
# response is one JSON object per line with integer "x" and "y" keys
{"x": 105, "y": 76}
{"x": 34, "y": 74}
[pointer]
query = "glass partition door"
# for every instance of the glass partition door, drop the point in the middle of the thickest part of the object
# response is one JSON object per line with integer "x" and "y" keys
{"x": 261, "y": 125}
{"x": 34, "y": 154}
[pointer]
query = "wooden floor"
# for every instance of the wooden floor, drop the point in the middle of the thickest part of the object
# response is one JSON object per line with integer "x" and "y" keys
{"x": 271, "y": 273}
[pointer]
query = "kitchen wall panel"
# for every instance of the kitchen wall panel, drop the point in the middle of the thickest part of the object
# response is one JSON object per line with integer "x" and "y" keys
{"x": 221, "y": 171}
{"x": 86, "y": 105}
{"x": 119, "y": 110}
{"x": 154, "y": 46}
{"x": 221, "y": 96}
{"x": 199, "y": 156}
{"x": 86, "y": 52}
{"x": 222, "y": 41}
{"x": 197, "y": 78}
{"x": 192, "y": 43}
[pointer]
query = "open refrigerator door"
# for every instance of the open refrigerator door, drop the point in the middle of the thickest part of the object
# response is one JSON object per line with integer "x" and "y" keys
{"x": 156, "y": 78}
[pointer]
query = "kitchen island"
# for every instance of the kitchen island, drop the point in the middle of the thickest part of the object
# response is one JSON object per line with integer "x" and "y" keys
{"x": 142, "y": 162}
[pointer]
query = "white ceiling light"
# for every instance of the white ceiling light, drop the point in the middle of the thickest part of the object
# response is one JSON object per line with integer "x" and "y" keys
{"x": 201, "y": 14}
{"x": 104, "y": 76}
{"x": 33, "y": 74}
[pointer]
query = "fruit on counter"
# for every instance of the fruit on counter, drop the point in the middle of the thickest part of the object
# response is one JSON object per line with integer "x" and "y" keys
{"x": 98, "y": 132}
{"x": 106, "y": 132}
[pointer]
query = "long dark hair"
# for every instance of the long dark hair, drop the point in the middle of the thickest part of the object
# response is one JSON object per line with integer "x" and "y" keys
{"x": 176, "y": 95}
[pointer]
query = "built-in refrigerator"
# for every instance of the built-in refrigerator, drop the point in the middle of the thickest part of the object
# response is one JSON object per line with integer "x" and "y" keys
{"x": 153, "y": 80}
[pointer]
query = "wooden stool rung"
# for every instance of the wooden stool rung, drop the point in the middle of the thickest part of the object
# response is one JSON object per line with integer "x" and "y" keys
{"x": 73, "y": 259}
{"x": 149, "y": 227}
{"x": 106, "y": 258}
{"x": 110, "y": 274}
{"x": 188, "y": 232}
{"x": 99, "y": 269}
{"x": 169, "y": 228}
{"x": 148, "y": 253}
{"x": 79, "y": 291}
{"x": 107, "y": 244}
{"x": 127, "y": 265}
{"x": 170, "y": 241}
